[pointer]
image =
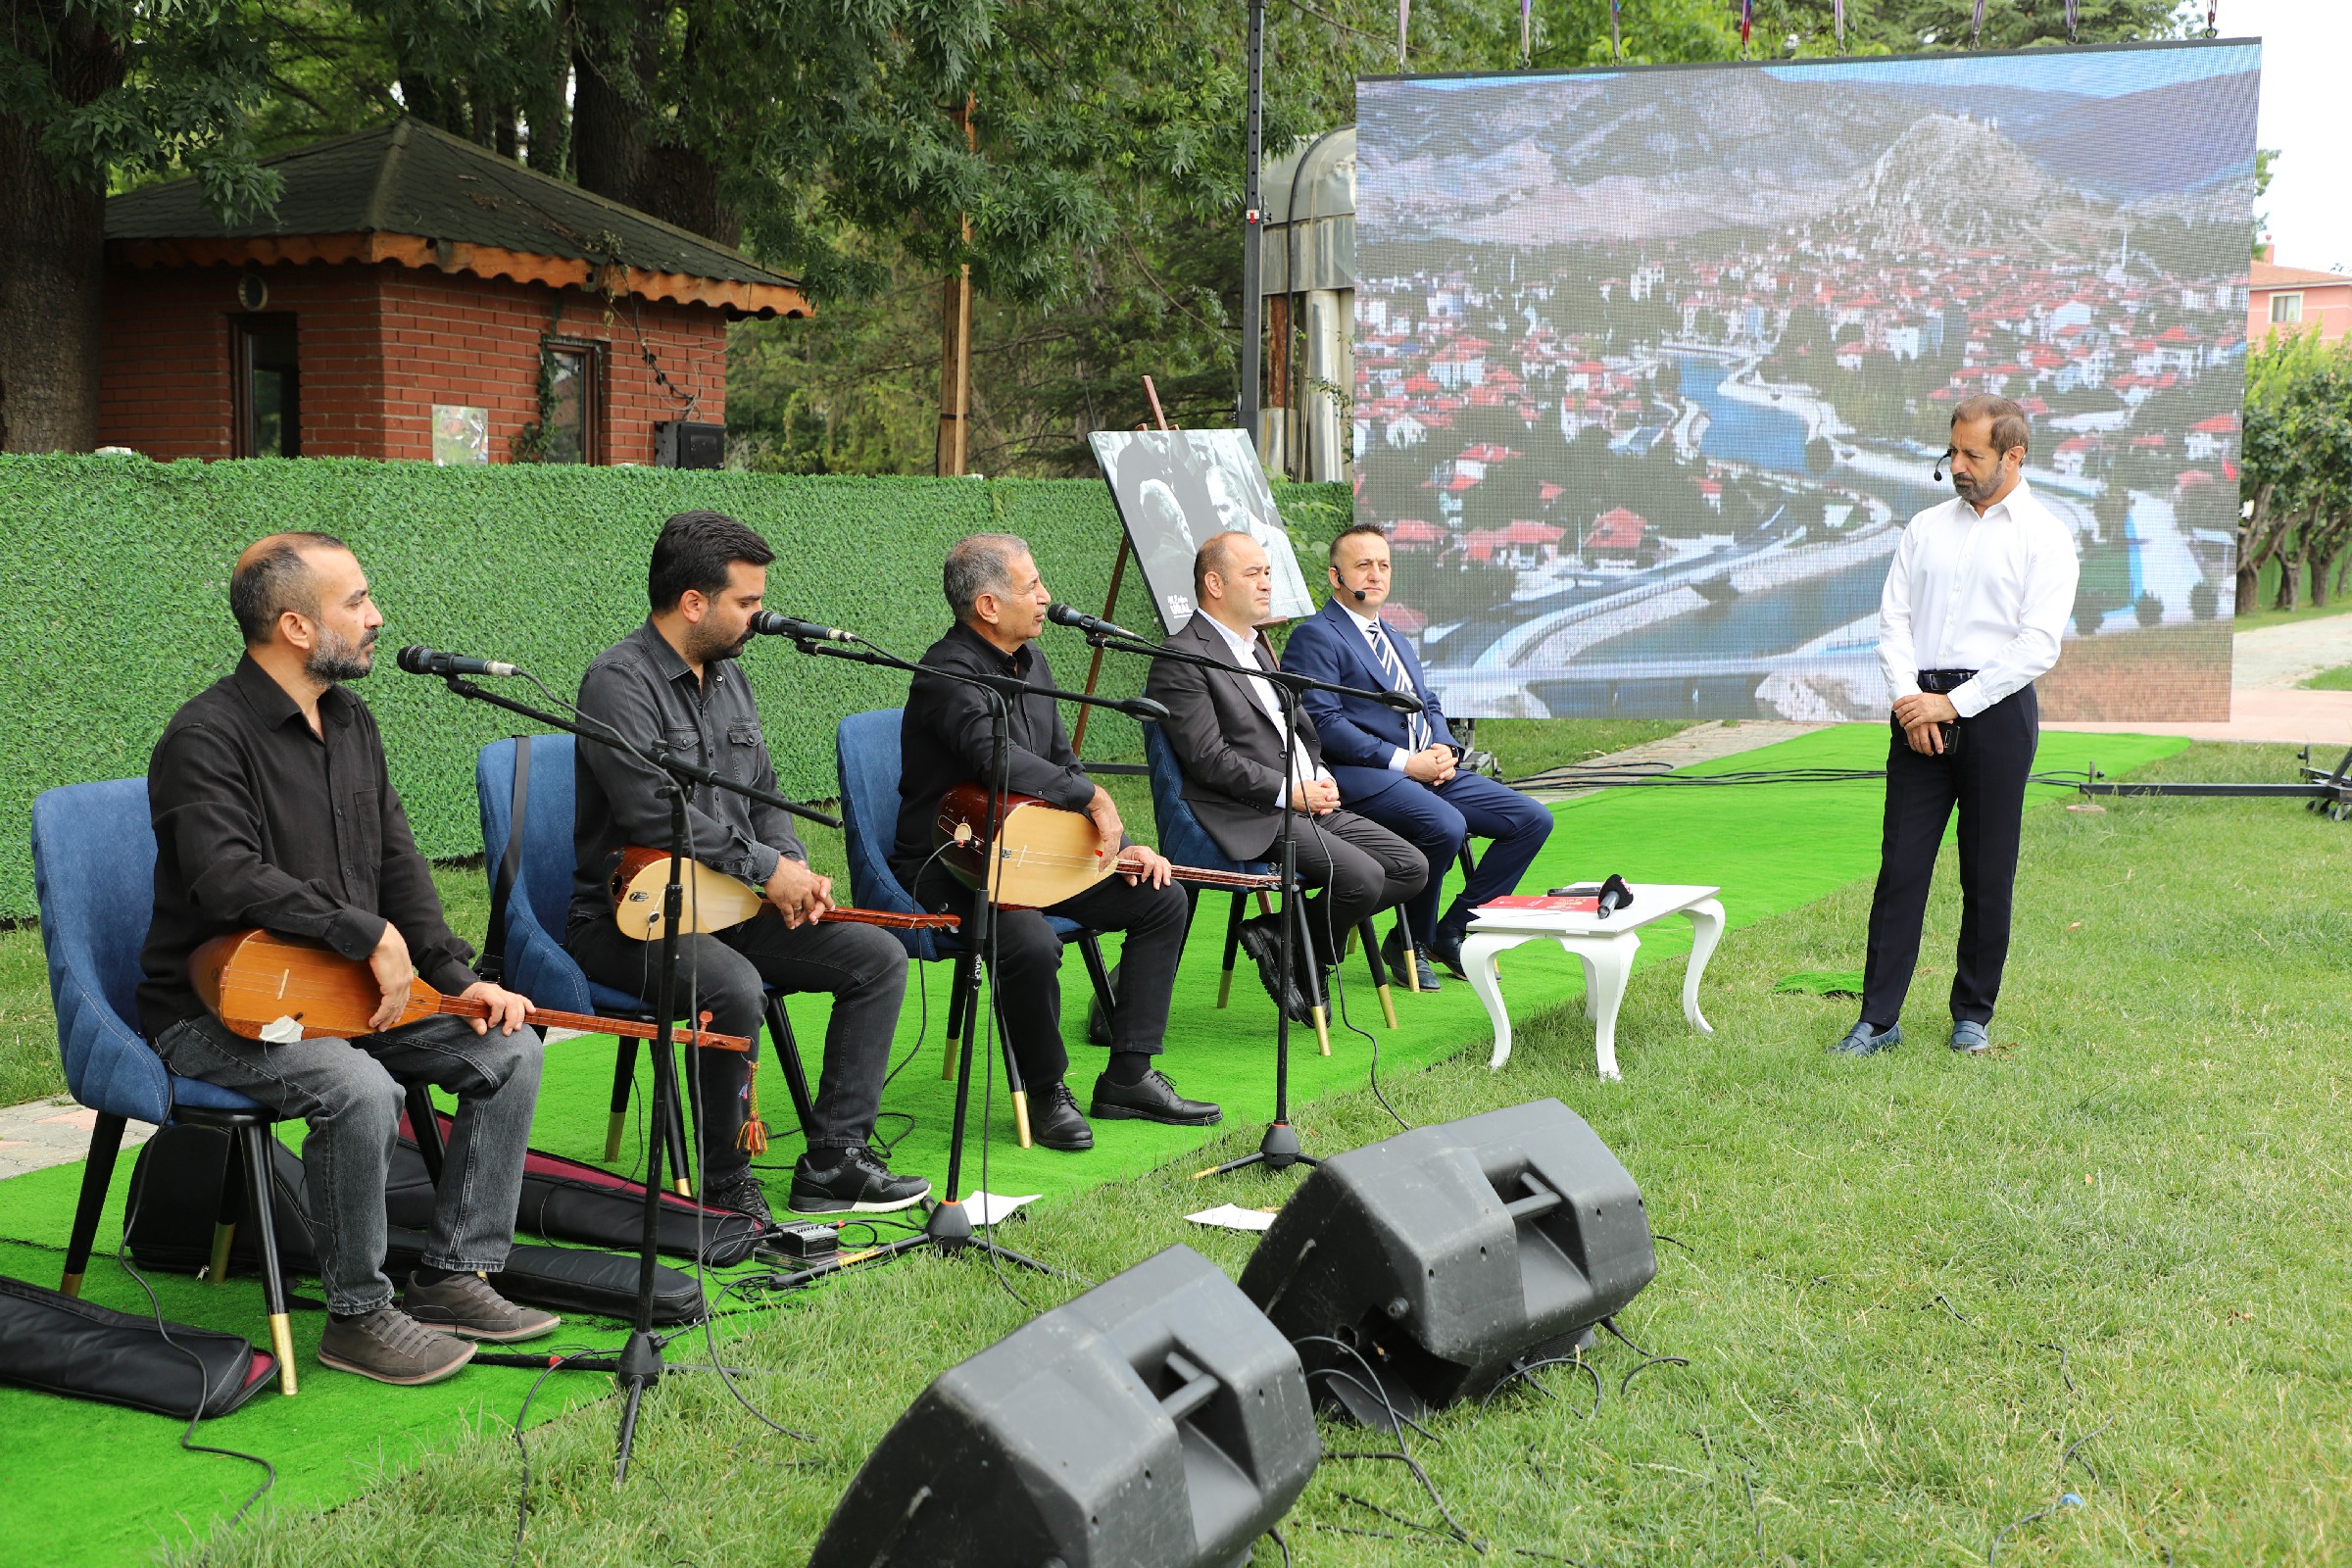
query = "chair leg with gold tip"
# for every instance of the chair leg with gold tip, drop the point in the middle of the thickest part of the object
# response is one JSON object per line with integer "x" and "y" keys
{"x": 1322, "y": 1027}
{"x": 106, "y": 1142}
{"x": 1380, "y": 970}
{"x": 625, "y": 1079}
{"x": 1233, "y": 943}
{"x": 256, "y": 1141}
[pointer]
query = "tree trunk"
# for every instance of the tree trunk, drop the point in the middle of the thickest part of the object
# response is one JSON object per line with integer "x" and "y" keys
{"x": 53, "y": 260}
{"x": 2323, "y": 567}
{"x": 609, "y": 99}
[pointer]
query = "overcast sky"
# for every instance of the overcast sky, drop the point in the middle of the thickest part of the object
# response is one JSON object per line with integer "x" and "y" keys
{"x": 2306, "y": 113}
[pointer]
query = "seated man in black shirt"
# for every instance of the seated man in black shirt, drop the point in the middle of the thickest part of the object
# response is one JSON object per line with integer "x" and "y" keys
{"x": 675, "y": 680}
{"x": 272, "y": 807}
{"x": 992, "y": 587}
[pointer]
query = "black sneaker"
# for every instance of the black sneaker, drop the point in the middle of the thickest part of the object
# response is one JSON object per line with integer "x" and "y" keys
{"x": 1392, "y": 953}
{"x": 1054, "y": 1121}
{"x": 1153, "y": 1099}
{"x": 858, "y": 1184}
{"x": 745, "y": 1196}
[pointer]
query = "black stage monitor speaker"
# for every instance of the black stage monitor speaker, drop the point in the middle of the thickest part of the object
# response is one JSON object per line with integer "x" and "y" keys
{"x": 1158, "y": 1421}
{"x": 1447, "y": 1255}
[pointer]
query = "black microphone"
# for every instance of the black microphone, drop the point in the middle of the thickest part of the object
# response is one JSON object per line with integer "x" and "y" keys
{"x": 1614, "y": 896}
{"x": 1939, "y": 467}
{"x": 771, "y": 625}
{"x": 1404, "y": 701}
{"x": 1143, "y": 708}
{"x": 418, "y": 660}
{"x": 1066, "y": 615}
{"x": 1360, "y": 595}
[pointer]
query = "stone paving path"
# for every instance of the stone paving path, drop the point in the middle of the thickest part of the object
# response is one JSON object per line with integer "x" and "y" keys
{"x": 49, "y": 1132}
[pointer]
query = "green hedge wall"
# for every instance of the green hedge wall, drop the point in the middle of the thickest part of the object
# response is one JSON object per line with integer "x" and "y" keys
{"x": 116, "y": 568}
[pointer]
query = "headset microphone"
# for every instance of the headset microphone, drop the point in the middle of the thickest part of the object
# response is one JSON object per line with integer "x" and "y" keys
{"x": 1360, "y": 595}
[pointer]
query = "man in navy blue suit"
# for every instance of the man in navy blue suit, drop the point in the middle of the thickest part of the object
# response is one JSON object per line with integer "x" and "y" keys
{"x": 1403, "y": 771}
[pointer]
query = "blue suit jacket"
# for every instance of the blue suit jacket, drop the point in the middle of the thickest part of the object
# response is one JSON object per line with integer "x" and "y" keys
{"x": 1358, "y": 735}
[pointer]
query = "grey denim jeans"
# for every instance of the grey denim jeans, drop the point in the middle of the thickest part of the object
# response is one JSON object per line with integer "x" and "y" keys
{"x": 348, "y": 1092}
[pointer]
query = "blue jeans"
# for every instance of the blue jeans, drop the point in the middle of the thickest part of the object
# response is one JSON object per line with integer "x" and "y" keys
{"x": 1435, "y": 821}
{"x": 349, "y": 1092}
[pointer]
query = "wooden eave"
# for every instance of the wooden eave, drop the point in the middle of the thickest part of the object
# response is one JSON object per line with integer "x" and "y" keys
{"x": 735, "y": 297}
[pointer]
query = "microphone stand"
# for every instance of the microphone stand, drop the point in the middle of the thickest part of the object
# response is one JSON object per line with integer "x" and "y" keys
{"x": 638, "y": 1366}
{"x": 949, "y": 1229}
{"x": 1279, "y": 1149}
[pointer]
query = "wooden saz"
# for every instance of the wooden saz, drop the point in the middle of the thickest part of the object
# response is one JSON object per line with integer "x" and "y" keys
{"x": 281, "y": 989}
{"x": 1046, "y": 853}
{"x": 714, "y": 900}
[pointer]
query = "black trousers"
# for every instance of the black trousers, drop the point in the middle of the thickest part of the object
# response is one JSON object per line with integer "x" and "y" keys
{"x": 1360, "y": 867}
{"x": 1027, "y": 979}
{"x": 1983, "y": 774}
{"x": 864, "y": 966}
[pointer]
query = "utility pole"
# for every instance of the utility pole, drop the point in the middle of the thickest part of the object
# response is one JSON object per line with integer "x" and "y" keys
{"x": 955, "y": 341}
{"x": 1252, "y": 225}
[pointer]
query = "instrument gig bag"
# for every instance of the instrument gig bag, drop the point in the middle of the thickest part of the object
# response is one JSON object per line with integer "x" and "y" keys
{"x": 175, "y": 1191}
{"x": 61, "y": 1345}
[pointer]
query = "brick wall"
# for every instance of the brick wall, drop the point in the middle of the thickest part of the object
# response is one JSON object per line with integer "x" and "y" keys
{"x": 378, "y": 346}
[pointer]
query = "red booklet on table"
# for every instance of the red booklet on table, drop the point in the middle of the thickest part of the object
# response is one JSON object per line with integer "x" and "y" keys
{"x": 1547, "y": 903}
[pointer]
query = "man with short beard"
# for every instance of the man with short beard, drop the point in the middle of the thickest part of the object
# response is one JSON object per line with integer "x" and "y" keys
{"x": 272, "y": 807}
{"x": 1976, "y": 598}
{"x": 675, "y": 680}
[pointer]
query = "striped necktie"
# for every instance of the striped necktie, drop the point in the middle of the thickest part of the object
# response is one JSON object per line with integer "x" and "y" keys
{"x": 1416, "y": 723}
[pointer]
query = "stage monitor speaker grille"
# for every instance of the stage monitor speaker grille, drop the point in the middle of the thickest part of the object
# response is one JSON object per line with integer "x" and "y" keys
{"x": 1156, "y": 1420}
{"x": 1448, "y": 1255}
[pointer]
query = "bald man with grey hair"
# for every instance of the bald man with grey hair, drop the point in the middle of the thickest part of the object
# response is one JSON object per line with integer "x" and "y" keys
{"x": 991, "y": 584}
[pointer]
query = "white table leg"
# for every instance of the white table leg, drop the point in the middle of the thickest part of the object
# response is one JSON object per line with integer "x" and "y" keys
{"x": 1477, "y": 963}
{"x": 1706, "y": 929}
{"x": 1608, "y": 962}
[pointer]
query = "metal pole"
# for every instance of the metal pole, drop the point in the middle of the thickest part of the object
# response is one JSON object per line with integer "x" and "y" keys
{"x": 1253, "y": 223}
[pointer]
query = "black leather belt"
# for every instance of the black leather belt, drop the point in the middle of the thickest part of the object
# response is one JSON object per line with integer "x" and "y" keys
{"x": 1942, "y": 681}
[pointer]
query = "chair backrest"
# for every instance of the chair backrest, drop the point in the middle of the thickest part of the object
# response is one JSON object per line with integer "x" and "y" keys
{"x": 866, "y": 750}
{"x": 541, "y": 897}
{"x": 93, "y": 870}
{"x": 1182, "y": 838}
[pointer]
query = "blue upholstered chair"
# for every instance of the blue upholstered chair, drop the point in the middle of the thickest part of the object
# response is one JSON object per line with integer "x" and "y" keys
{"x": 93, "y": 867}
{"x": 1182, "y": 840}
{"x": 867, "y": 746}
{"x": 537, "y": 908}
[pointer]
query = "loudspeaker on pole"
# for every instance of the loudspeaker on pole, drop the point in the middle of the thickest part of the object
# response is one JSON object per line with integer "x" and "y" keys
{"x": 1446, "y": 1255}
{"x": 1157, "y": 1419}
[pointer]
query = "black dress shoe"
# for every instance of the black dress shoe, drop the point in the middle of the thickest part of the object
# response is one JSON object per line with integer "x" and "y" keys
{"x": 1054, "y": 1121}
{"x": 1154, "y": 1099}
{"x": 1261, "y": 939}
{"x": 1392, "y": 953}
{"x": 1446, "y": 951}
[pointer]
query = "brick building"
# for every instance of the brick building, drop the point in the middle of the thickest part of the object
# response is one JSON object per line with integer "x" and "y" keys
{"x": 412, "y": 295}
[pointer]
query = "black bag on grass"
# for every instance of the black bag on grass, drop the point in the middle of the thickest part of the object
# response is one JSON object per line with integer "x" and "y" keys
{"x": 176, "y": 1191}
{"x": 61, "y": 1345}
{"x": 569, "y": 1201}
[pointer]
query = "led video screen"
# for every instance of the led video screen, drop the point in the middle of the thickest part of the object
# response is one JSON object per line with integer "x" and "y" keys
{"x": 1652, "y": 367}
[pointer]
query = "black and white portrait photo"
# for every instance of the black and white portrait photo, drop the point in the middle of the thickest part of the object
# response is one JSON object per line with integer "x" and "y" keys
{"x": 1175, "y": 488}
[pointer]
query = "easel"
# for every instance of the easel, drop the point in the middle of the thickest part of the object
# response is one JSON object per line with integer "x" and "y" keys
{"x": 1110, "y": 604}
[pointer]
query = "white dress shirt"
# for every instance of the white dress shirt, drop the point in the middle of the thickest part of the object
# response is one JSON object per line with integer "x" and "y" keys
{"x": 1988, "y": 592}
{"x": 1397, "y": 754}
{"x": 1244, "y": 649}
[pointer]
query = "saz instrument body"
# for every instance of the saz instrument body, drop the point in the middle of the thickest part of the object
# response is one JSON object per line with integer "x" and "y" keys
{"x": 714, "y": 900}
{"x": 1045, "y": 854}
{"x": 280, "y": 988}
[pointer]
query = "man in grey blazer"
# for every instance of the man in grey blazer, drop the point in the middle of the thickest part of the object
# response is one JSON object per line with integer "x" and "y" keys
{"x": 1225, "y": 729}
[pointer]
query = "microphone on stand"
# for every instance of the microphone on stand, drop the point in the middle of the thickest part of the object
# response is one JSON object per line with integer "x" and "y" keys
{"x": 418, "y": 660}
{"x": 771, "y": 625}
{"x": 1142, "y": 709}
{"x": 1066, "y": 615}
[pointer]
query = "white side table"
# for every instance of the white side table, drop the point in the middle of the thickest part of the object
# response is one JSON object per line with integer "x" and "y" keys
{"x": 1605, "y": 948}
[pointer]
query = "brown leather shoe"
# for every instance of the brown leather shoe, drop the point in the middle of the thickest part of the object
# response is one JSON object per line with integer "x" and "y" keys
{"x": 391, "y": 1347}
{"x": 464, "y": 1304}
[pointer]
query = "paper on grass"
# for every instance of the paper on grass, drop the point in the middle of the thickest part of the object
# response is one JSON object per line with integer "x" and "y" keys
{"x": 986, "y": 1207}
{"x": 1234, "y": 1218}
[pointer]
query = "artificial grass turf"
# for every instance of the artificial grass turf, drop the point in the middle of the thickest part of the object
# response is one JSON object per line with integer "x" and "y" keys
{"x": 1772, "y": 848}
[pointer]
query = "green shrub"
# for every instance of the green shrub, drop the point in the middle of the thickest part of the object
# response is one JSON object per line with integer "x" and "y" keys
{"x": 117, "y": 573}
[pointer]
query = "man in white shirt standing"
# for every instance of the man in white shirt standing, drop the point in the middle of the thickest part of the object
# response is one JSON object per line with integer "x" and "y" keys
{"x": 1226, "y": 731}
{"x": 1979, "y": 592}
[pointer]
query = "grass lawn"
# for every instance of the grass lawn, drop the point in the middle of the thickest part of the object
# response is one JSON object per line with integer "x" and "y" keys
{"x": 1920, "y": 1296}
{"x": 2338, "y": 679}
{"x": 2281, "y": 618}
